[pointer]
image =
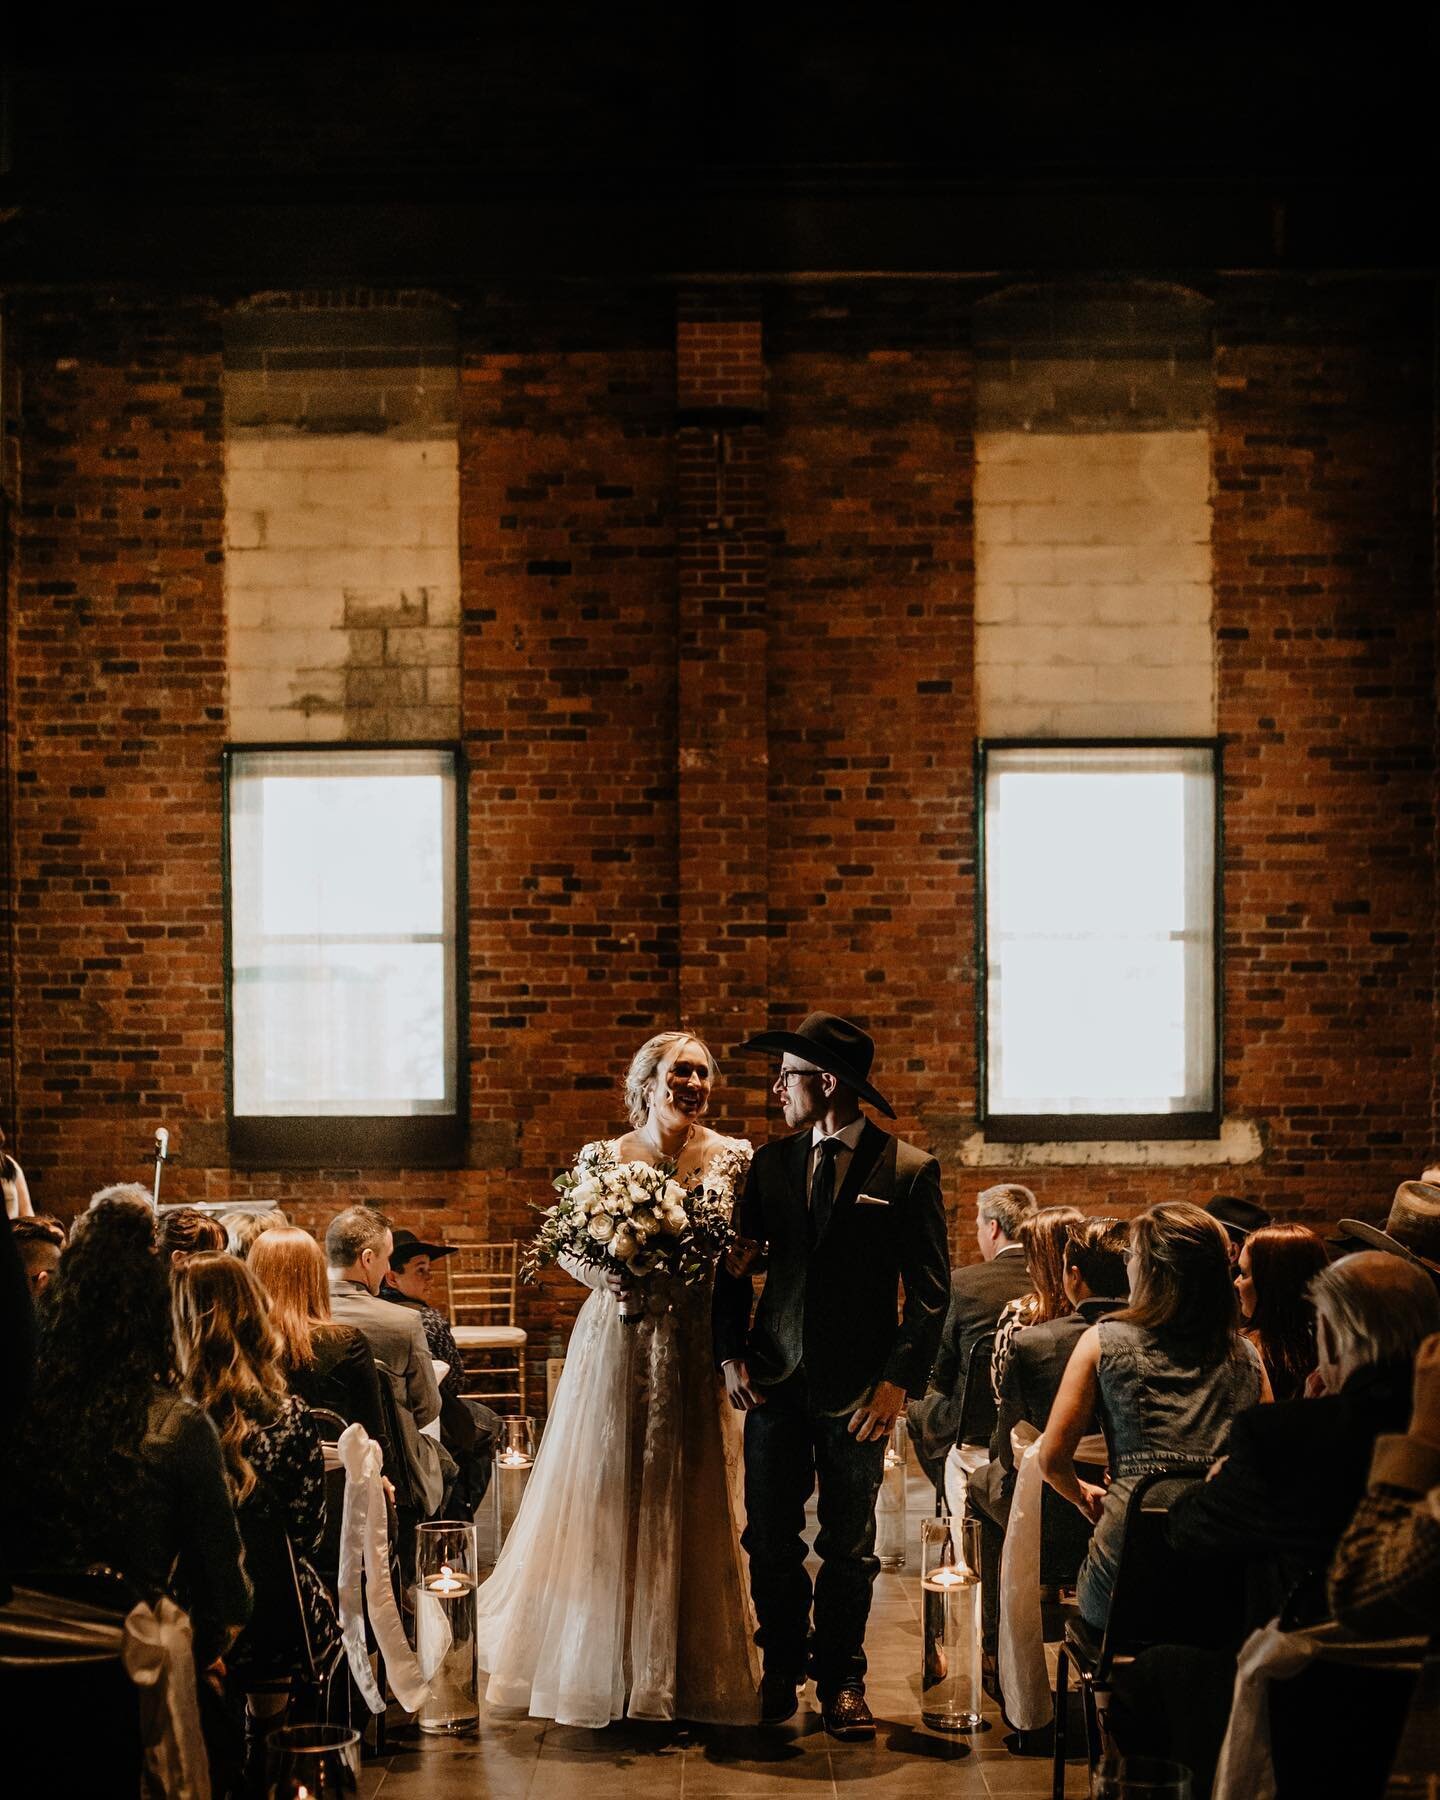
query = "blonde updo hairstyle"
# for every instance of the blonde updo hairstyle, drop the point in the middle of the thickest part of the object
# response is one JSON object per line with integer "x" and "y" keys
{"x": 645, "y": 1066}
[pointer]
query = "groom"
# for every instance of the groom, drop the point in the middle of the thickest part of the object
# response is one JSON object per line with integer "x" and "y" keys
{"x": 847, "y": 1215}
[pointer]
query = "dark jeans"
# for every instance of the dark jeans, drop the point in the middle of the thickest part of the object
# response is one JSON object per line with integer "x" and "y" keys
{"x": 787, "y": 1446}
{"x": 470, "y": 1438}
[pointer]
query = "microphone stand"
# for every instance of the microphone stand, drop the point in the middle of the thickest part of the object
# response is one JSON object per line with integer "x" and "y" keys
{"x": 162, "y": 1152}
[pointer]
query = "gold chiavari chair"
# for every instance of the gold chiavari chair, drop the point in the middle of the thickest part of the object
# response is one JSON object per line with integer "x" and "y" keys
{"x": 481, "y": 1280}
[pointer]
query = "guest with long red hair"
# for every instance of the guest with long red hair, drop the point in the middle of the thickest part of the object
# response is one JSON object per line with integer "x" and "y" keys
{"x": 1276, "y": 1266}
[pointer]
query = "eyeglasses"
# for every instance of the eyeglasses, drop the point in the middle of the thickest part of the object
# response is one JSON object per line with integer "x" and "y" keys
{"x": 786, "y": 1076}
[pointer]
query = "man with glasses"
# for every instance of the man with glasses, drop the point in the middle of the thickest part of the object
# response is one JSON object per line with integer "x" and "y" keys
{"x": 848, "y": 1217}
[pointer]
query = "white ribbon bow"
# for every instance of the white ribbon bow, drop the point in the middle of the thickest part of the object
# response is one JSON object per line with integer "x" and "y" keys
{"x": 1024, "y": 1676}
{"x": 364, "y": 1547}
{"x": 156, "y": 1652}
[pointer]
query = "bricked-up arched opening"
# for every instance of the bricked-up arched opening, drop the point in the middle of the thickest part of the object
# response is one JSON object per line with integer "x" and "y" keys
{"x": 342, "y": 514}
{"x": 1094, "y": 405}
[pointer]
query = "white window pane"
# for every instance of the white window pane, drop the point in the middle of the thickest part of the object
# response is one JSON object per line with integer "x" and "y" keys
{"x": 1099, "y": 929}
{"x": 358, "y": 855}
{"x": 342, "y": 933}
{"x": 344, "y": 1031}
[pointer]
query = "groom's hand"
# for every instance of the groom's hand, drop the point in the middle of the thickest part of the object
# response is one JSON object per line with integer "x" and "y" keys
{"x": 878, "y": 1414}
{"x": 738, "y": 1390}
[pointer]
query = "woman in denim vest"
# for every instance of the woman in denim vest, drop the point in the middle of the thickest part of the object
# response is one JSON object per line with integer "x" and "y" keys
{"x": 1164, "y": 1377}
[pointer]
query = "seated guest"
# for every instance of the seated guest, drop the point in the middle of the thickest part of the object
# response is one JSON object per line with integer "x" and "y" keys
{"x": 41, "y": 1243}
{"x": 1043, "y": 1237}
{"x": 228, "y": 1361}
{"x": 1239, "y": 1217}
{"x": 468, "y": 1429}
{"x": 358, "y": 1242}
{"x": 185, "y": 1231}
{"x": 326, "y": 1364}
{"x": 1165, "y": 1376}
{"x": 1385, "y": 1577}
{"x": 1273, "y": 1273}
{"x": 1295, "y": 1472}
{"x": 978, "y": 1291}
{"x": 1094, "y": 1284}
{"x": 242, "y": 1229}
{"x": 112, "y": 1466}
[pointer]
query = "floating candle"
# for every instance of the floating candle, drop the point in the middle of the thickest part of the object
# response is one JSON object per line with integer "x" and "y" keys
{"x": 947, "y": 1577}
{"x": 446, "y": 1582}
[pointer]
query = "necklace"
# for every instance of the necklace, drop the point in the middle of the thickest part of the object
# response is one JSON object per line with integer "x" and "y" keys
{"x": 660, "y": 1149}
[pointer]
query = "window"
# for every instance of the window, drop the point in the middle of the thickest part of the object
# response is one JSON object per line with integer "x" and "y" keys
{"x": 1099, "y": 920}
{"x": 343, "y": 956}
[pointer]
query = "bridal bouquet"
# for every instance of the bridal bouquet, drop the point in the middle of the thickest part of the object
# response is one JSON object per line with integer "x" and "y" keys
{"x": 635, "y": 1220}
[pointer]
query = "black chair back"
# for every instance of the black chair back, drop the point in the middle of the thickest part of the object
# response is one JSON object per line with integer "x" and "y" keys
{"x": 406, "y": 1495}
{"x": 1162, "y": 1595}
{"x": 978, "y": 1410}
{"x": 329, "y": 1424}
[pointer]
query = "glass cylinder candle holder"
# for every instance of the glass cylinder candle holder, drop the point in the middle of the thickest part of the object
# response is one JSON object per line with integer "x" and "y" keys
{"x": 514, "y": 1459}
{"x": 1141, "y": 1778}
{"x": 313, "y": 1762}
{"x": 950, "y": 1694}
{"x": 891, "y": 1520}
{"x": 446, "y": 1576}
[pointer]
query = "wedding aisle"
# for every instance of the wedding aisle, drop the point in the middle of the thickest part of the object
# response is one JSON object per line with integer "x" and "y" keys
{"x": 512, "y": 1760}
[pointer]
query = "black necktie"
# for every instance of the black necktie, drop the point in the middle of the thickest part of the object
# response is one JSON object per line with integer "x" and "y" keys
{"x": 822, "y": 1186}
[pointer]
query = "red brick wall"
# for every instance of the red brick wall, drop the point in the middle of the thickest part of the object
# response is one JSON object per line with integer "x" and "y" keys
{"x": 721, "y": 748}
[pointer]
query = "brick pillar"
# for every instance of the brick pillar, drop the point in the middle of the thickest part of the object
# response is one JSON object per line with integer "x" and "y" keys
{"x": 723, "y": 581}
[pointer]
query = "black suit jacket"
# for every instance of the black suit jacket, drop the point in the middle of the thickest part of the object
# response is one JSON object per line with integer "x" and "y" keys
{"x": 978, "y": 1294}
{"x": 1293, "y": 1476}
{"x": 1038, "y": 1358}
{"x": 834, "y": 1306}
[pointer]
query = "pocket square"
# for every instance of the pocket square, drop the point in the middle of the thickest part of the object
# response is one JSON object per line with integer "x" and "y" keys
{"x": 870, "y": 1200}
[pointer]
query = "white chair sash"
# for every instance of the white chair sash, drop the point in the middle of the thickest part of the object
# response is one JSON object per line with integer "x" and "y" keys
{"x": 156, "y": 1652}
{"x": 1024, "y": 1676}
{"x": 960, "y": 1464}
{"x": 1246, "y": 1770}
{"x": 364, "y": 1547}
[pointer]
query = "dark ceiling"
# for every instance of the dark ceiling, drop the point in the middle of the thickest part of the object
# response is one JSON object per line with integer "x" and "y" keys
{"x": 715, "y": 140}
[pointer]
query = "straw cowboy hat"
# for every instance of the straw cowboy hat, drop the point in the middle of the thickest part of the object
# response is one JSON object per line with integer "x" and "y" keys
{"x": 1412, "y": 1229}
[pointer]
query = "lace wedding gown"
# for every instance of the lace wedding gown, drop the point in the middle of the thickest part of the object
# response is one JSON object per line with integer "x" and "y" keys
{"x": 622, "y": 1590}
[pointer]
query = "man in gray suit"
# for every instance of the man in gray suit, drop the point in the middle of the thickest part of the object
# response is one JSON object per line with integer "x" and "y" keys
{"x": 978, "y": 1293}
{"x": 358, "y": 1243}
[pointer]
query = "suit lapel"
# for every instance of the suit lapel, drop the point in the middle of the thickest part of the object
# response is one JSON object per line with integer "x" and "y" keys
{"x": 870, "y": 1154}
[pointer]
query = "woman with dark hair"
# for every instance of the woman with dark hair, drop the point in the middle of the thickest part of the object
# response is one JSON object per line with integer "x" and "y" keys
{"x": 186, "y": 1231}
{"x": 1274, "y": 1271}
{"x": 1166, "y": 1376}
{"x": 111, "y": 1466}
{"x": 1045, "y": 1236}
{"x": 228, "y": 1360}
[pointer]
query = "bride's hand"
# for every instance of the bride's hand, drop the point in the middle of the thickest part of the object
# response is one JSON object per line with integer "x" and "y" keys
{"x": 618, "y": 1285}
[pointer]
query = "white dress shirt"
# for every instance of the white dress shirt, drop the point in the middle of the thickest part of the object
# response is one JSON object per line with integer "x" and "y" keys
{"x": 848, "y": 1137}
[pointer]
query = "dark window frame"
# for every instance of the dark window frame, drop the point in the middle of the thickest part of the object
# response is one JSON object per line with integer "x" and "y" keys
{"x": 332, "y": 1141}
{"x": 1078, "y": 1128}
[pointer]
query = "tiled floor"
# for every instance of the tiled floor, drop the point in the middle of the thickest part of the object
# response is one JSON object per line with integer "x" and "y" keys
{"x": 508, "y": 1758}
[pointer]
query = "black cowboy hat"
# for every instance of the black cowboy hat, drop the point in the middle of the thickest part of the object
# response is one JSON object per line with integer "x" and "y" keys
{"x": 1239, "y": 1217}
{"x": 408, "y": 1245}
{"x": 834, "y": 1045}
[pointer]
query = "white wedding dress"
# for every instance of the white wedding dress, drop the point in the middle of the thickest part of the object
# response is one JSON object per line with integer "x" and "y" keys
{"x": 622, "y": 1590}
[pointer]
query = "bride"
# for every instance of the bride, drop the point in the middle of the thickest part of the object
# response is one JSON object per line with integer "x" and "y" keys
{"x": 621, "y": 1590}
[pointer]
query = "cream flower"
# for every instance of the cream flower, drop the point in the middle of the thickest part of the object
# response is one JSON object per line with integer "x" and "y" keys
{"x": 601, "y": 1228}
{"x": 625, "y": 1243}
{"x": 674, "y": 1195}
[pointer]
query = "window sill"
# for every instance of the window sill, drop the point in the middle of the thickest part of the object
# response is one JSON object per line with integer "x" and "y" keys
{"x": 1239, "y": 1142}
{"x": 417, "y": 1141}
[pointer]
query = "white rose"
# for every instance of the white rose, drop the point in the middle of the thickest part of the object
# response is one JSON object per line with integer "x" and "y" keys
{"x": 639, "y": 1194}
{"x": 674, "y": 1219}
{"x": 625, "y": 1243}
{"x": 601, "y": 1228}
{"x": 584, "y": 1192}
{"x": 644, "y": 1221}
{"x": 674, "y": 1194}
